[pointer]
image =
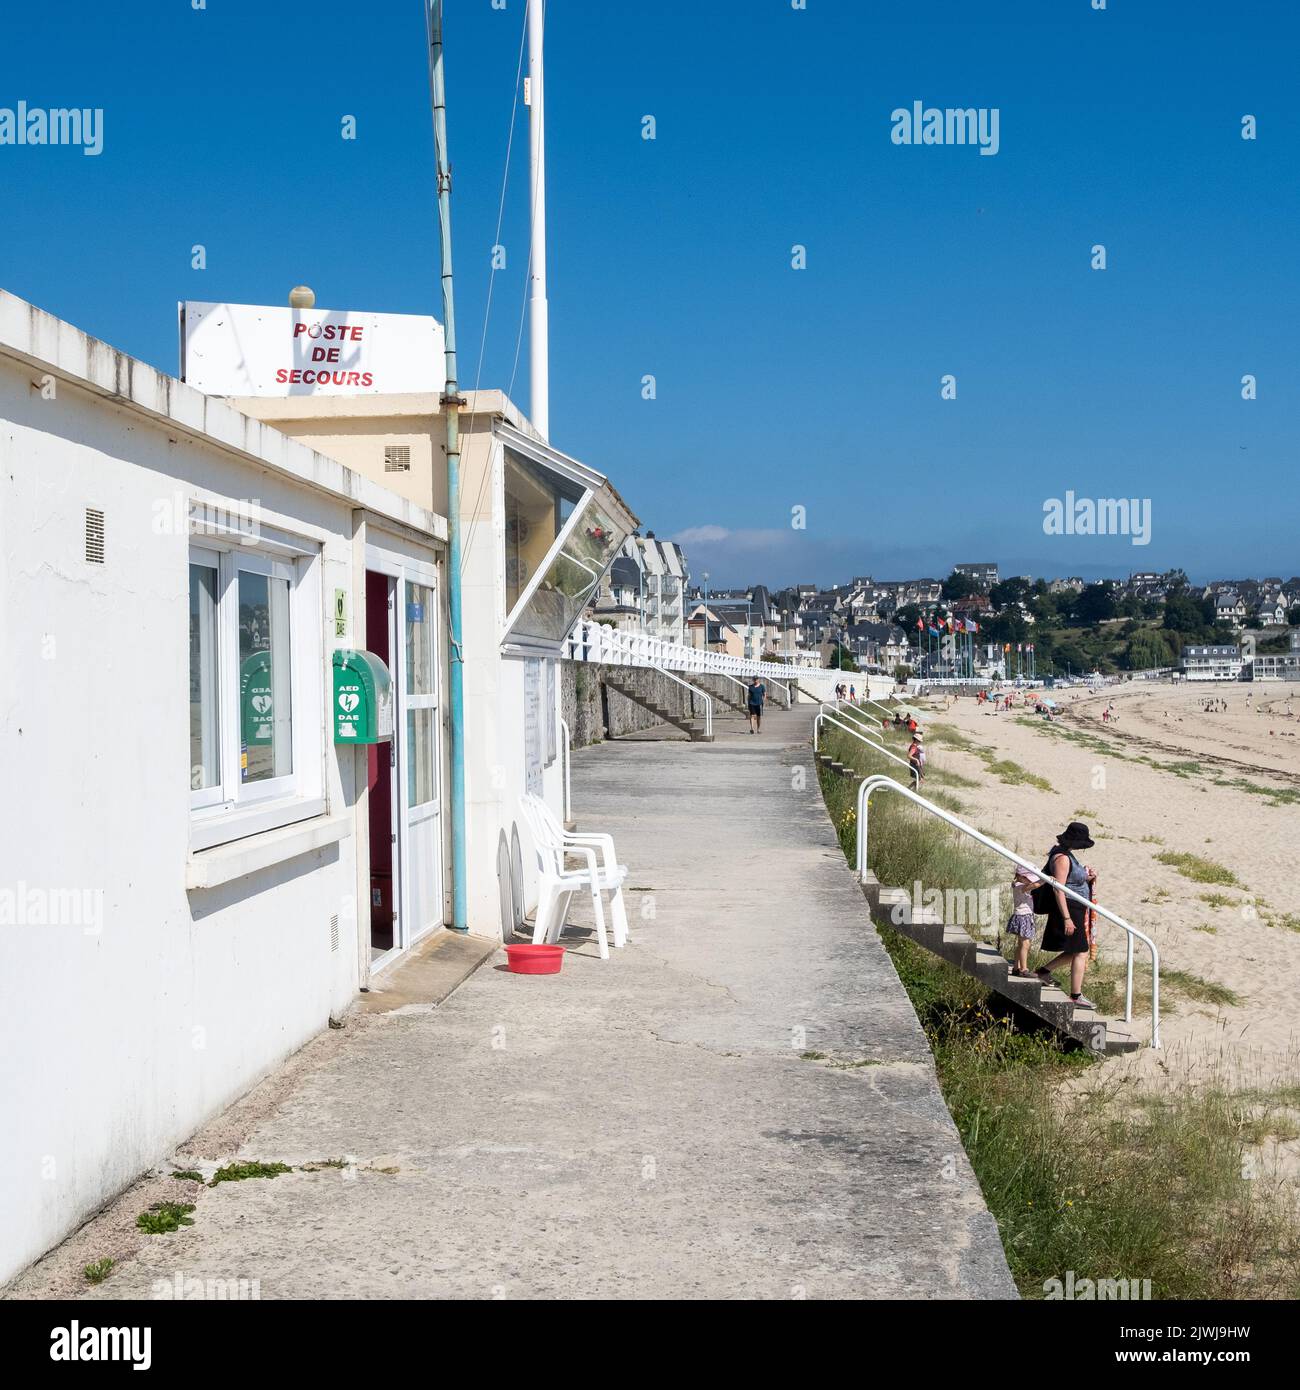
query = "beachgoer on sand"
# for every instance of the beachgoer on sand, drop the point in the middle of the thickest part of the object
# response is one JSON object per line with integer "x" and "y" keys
{"x": 916, "y": 754}
{"x": 1067, "y": 920}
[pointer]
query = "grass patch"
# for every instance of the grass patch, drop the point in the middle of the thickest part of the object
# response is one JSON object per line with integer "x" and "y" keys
{"x": 188, "y": 1175}
{"x": 1085, "y": 1177}
{"x": 1197, "y": 869}
{"x": 1012, "y": 773}
{"x": 1015, "y": 775}
{"x": 240, "y": 1172}
{"x": 165, "y": 1217}
{"x": 1194, "y": 987}
{"x": 97, "y": 1271}
{"x": 1276, "y": 796}
{"x": 1218, "y": 899}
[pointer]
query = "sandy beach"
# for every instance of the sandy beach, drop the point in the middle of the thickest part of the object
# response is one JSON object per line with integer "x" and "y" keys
{"x": 1168, "y": 778}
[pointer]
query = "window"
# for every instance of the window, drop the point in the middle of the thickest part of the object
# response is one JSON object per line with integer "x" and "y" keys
{"x": 421, "y": 694}
{"x": 255, "y": 689}
{"x": 563, "y": 527}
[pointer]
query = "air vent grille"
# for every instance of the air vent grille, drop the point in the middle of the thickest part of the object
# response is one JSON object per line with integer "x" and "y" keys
{"x": 397, "y": 458}
{"x": 334, "y": 932}
{"x": 94, "y": 536}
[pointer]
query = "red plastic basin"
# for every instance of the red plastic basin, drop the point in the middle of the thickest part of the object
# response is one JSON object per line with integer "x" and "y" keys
{"x": 535, "y": 960}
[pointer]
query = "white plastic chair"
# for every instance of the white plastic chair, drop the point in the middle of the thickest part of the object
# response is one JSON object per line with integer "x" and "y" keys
{"x": 612, "y": 872}
{"x": 557, "y": 882}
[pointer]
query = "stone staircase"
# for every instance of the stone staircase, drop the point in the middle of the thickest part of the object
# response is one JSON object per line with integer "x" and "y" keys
{"x": 730, "y": 695}
{"x": 984, "y": 963}
{"x": 693, "y": 728}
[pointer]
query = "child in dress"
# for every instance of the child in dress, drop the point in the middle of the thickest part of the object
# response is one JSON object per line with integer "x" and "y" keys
{"x": 1021, "y": 923}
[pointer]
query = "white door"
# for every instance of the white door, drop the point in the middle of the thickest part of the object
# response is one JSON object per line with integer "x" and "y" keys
{"x": 420, "y": 760}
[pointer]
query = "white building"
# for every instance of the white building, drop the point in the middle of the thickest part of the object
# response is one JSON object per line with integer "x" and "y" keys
{"x": 182, "y": 837}
{"x": 1221, "y": 662}
{"x": 200, "y": 859}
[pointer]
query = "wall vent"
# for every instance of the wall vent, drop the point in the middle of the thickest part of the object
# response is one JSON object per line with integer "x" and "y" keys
{"x": 397, "y": 458}
{"x": 94, "y": 536}
{"x": 334, "y": 932}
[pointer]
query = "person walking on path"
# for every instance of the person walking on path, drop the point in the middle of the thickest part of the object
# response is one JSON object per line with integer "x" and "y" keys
{"x": 1067, "y": 920}
{"x": 757, "y": 694}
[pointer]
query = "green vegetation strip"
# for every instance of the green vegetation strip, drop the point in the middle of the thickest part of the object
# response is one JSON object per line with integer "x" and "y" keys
{"x": 1002, "y": 768}
{"x": 1085, "y": 1178}
{"x": 1197, "y": 869}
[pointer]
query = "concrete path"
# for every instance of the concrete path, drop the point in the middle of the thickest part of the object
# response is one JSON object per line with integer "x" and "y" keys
{"x": 649, "y": 1127}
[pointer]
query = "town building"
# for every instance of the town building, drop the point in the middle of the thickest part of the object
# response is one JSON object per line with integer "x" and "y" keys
{"x": 985, "y": 573}
{"x": 1215, "y": 662}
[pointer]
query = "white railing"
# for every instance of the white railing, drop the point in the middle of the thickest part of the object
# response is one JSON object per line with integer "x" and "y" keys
{"x": 695, "y": 690}
{"x": 880, "y": 782}
{"x": 597, "y": 642}
{"x": 568, "y": 781}
{"x": 825, "y": 715}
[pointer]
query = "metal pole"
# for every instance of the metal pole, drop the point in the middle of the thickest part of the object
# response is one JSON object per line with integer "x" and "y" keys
{"x": 451, "y": 402}
{"x": 538, "y": 334}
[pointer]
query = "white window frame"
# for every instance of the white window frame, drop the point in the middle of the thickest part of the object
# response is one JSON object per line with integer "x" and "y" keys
{"x": 234, "y": 809}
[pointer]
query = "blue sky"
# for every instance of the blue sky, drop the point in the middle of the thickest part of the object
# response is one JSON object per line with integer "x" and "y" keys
{"x": 776, "y": 388}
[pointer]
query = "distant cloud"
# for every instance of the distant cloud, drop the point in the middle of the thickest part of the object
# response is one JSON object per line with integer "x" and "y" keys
{"x": 735, "y": 542}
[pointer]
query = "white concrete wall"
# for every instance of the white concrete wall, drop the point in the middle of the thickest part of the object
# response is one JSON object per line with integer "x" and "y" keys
{"x": 495, "y": 772}
{"x": 119, "y": 1037}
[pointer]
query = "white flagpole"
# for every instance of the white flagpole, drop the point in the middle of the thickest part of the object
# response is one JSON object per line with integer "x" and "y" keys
{"x": 538, "y": 335}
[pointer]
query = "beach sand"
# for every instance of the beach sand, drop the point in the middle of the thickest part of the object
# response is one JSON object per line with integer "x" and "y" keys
{"x": 1168, "y": 778}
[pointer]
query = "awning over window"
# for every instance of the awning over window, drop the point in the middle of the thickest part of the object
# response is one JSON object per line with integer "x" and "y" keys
{"x": 564, "y": 526}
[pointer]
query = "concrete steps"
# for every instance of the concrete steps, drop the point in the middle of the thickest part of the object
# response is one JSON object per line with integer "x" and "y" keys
{"x": 693, "y": 728}
{"x": 726, "y": 693}
{"x": 840, "y": 769}
{"x": 984, "y": 963}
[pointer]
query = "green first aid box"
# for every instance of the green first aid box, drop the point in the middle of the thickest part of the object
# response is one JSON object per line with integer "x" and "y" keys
{"x": 363, "y": 698}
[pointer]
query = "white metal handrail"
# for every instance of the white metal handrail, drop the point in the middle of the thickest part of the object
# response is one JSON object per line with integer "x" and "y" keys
{"x": 879, "y": 781}
{"x": 707, "y": 698}
{"x": 598, "y": 642}
{"x": 568, "y": 783}
{"x": 823, "y": 714}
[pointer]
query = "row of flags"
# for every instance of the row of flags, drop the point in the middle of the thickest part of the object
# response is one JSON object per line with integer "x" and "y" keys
{"x": 963, "y": 625}
{"x": 950, "y": 625}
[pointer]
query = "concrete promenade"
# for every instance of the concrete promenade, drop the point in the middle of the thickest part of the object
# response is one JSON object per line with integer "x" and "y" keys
{"x": 649, "y": 1127}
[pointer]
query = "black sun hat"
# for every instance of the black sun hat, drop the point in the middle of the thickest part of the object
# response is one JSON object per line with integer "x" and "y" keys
{"x": 1075, "y": 836}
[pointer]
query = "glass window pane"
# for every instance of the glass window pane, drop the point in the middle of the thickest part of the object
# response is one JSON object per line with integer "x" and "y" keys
{"x": 538, "y": 503}
{"x": 265, "y": 713}
{"x": 205, "y": 753}
{"x": 572, "y": 577}
{"x": 420, "y": 639}
{"x": 420, "y": 749}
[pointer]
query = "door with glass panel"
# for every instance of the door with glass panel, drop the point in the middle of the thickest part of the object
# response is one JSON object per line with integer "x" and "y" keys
{"x": 421, "y": 756}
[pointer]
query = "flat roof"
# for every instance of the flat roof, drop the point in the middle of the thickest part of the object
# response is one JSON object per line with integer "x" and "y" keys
{"x": 31, "y": 336}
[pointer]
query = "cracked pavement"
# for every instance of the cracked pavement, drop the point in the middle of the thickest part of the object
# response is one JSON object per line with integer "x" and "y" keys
{"x": 646, "y": 1127}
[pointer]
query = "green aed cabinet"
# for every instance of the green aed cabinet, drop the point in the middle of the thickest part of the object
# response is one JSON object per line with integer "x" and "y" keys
{"x": 363, "y": 698}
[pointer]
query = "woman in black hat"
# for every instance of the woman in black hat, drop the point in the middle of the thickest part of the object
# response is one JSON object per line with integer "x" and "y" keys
{"x": 1066, "y": 930}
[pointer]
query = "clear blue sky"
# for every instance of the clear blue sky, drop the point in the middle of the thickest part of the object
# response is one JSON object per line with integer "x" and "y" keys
{"x": 817, "y": 388}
